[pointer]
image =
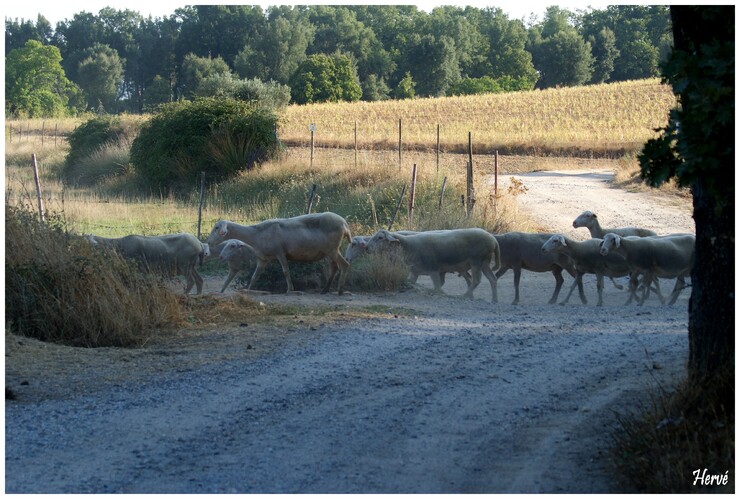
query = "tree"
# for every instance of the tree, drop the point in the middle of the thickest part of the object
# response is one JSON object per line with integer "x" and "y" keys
{"x": 158, "y": 92}
{"x": 324, "y": 78}
{"x": 563, "y": 59}
{"x": 100, "y": 75}
{"x": 35, "y": 83}
{"x": 374, "y": 89}
{"x": 406, "y": 88}
{"x": 17, "y": 33}
{"x": 433, "y": 64}
{"x": 195, "y": 69}
{"x": 698, "y": 149}
{"x": 605, "y": 52}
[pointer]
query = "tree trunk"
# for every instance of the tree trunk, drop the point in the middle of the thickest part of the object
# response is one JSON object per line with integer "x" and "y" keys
{"x": 712, "y": 303}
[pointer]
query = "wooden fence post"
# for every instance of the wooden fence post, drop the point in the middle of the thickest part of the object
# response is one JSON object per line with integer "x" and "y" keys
{"x": 442, "y": 192}
{"x": 355, "y": 144}
{"x": 495, "y": 173}
{"x": 412, "y": 195}
{"x": 469, "y": 190}
{"x": 399, "y": 143}
{"x": 200, "y": 202}
{"x": 56, "y": 132}
{"x": 38, "y": 188}
{"x": 43, "y": 125}
{"x": 312, "y": 127}
{"x": 310, "y": 199}
{"x": 438, "y": 148}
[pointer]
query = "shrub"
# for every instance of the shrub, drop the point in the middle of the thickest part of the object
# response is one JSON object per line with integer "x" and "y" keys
{"x": 59, "y": 288}
{"x": 89, "y": 139}
{"x": 271, "y": 95}
{"x": 220, "y": 136}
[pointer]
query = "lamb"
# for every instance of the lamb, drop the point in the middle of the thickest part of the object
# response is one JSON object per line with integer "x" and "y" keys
{"x": 236, "y": 254}
{"x": 457, "y": 250}
{"x": 521, "y": 250}
{"x": 669, "y": 256}
{"x": 172, "y": 254}
{"x": 305, "y": 238}
{"x": 587, "y": 259}
{"x": 588, "y": 219}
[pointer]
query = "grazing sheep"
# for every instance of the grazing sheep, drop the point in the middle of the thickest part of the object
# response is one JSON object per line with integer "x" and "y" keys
{"x": 173, "y": 254}
{"x": 457, "y": 250}
{"x": 305, "y": 238}
{"x": 588, "y": 219}
{"x": 237, "y": 254}
{"x": 358, "y": 248}
{"x": 587, "y": 259}
{"x": 668, "y": 256}
{"x": 521, "y": 250}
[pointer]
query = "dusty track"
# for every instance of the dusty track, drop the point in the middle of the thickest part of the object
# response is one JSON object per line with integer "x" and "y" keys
{"x": 425, "y": 393}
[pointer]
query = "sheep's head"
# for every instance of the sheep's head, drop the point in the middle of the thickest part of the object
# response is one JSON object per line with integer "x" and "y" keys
{"x": 555, "y": 243}
{"x": 357, "y": 247}
{"x": 219, "y": 232}
{"x": 610, "y": 241}
{"x": 236, "y": 249}
{"x": 585, "y": 219}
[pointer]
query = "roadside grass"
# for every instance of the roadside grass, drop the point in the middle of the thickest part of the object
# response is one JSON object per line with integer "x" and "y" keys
{"x": 693, "y": 428}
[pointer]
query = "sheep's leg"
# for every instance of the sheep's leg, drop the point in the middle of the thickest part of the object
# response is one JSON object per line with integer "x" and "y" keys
{"x": 189, "y": 281}
{"x": 343, "y": 266}
{"x": 680, "y": 284}
{"x": 231, "y": 275}
{"x": 198, "y": 281}
{"x": 656, "y": 289}
{"x": 286, "y": 272}
{"x": 633, "y": 285}
{"x": 257, "y": 272}
{"x": 517, "y": 278}
{"x": 333, "y": 267}
{"x": 492, "y": 279}
{"x": 647, "y": 278}
{"x": 600, "y": 289}
{"x": 558, "y": 274}
{"x": 476, "y": 272}
{"x": 437, "y": 281}
{"x": 577, "y": 282}
{"x": 618, "y": 286}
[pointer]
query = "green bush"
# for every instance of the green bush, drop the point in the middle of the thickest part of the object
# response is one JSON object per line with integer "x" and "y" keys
{"x": 90, "y": 143}
{"x": 219, "y": 136}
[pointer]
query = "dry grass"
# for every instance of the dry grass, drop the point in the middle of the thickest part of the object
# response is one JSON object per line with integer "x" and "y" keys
{"x": 690, "y": 429}
{"x": 596, "y": 120}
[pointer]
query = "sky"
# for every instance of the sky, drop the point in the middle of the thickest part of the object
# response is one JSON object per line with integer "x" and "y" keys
{"x": 56, "y": 10}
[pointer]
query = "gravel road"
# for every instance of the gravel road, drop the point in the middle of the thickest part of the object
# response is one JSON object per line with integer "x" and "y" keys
{"x": 427, "y": 394}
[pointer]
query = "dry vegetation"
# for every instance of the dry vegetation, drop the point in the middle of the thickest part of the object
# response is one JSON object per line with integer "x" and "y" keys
{"x": 599, "y": 120}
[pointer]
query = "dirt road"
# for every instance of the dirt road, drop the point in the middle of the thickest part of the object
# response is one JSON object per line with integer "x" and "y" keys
{"x": 426, "y": 393}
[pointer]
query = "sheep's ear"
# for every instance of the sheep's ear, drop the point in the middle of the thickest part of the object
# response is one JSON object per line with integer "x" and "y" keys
{"x": 391, "y": 237}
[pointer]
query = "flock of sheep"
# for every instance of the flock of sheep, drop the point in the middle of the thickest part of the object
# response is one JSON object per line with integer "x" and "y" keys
{"x": 639, "y": 254}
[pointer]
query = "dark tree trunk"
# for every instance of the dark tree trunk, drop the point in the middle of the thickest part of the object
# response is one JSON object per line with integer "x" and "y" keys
{"x": 712, "y": 303}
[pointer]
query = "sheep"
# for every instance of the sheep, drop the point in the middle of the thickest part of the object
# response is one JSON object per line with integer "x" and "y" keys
{"x": 521, "y": 250}
{"x": 358, "y": 248}
{"x": 173, "y": 254}
{"x": 669, "y": 256}
{"x": 455, "y": 250}
{"x": 305, "y": 238}
{"x": 236, "y": 254}
{"x": 589, "y": 220}
{"x": 587, "y": 259}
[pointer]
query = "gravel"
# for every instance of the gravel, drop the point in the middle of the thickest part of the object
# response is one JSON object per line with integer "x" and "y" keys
{"x": 422, "y": 394}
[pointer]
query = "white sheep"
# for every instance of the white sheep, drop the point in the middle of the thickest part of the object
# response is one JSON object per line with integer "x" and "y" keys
{"x": 668, "y": 256}
{"x": 457, "y": 250}
{"x": 358, "y": 247}
{"x": 522, "y": 250}
{"x": 589, "y": 220}
{"x": 237, "y": 254}
{"x": 172, "y": 254}
{"x": 305, "y": 238}
{"x": 587, "y": 259}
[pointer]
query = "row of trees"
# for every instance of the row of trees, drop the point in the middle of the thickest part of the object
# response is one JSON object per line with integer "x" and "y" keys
{"x": 122, "y": 61}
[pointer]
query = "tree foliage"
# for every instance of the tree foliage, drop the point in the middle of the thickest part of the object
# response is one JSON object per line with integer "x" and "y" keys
{"x": 35, "y": 84}
{"x": 100, "y": 75}
{"x": 384, "y": 42}
{"x": 324, "y": 78}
